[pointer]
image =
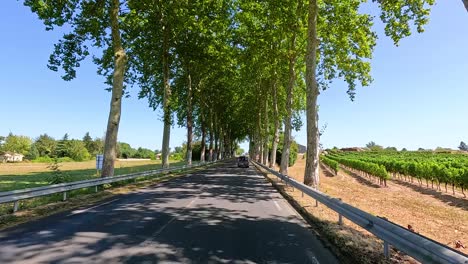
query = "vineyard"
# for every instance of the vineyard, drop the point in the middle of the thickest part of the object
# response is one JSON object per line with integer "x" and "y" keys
{"x": 435, "y": 169}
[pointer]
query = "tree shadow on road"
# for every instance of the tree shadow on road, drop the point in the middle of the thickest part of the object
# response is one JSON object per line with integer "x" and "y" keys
{"x": 153, "y": 226}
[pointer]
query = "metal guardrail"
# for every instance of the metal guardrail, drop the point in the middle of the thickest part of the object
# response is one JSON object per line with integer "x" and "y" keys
{"x": 22, "y": 194}
{"x": 419, "y": 247}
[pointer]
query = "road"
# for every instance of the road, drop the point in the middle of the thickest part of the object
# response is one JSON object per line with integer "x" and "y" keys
{"x": 223, "y": 214}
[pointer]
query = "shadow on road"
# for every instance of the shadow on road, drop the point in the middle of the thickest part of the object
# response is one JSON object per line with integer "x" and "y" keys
{"x": 201, "y": 218}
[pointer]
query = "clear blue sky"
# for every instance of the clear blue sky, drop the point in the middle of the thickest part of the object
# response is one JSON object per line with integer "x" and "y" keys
{"x": 419, "y": 97}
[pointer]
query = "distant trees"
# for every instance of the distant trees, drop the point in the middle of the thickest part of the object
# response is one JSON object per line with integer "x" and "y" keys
{"x": 463, "y": 145}
{"x": 16, "y": 144}
{"x": 373, "y": 146}
{"x": 45, "y": 148}
{"x": 45, "y": 145}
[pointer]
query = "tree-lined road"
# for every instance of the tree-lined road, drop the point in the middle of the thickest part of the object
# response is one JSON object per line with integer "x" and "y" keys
{"x": 223, "y": 214}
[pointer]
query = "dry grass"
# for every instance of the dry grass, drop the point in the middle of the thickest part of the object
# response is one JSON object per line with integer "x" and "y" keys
{"x": 350, "y": 243}
{"x": 441, "y": 217}
{"x": 27, "y": 168}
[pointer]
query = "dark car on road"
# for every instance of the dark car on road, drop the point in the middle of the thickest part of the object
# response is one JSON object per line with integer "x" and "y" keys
{"x": 243, "y": 162}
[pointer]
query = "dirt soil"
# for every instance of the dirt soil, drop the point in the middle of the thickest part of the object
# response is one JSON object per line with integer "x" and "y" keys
{"x": 437, "y": 215}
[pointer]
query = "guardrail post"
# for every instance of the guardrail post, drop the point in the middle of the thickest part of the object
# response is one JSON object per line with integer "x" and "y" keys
{"x": 15, "y": 206}
{"x": 340, "y": 217}
{"x": 95, "y": 188}
{"x": 385, "y": 249}
{"x": 64, "y": 196}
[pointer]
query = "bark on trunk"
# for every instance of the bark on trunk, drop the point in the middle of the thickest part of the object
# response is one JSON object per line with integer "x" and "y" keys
{"x": 189, "y": 120}
{"x": 215, "y": 154}
{"x": 203, "y": 147}
{"x": 274, "y": 143}
{"x": 258, "y": 140}
{"x": 287, "y": 121}
{"x": 220, "y": 147}
{"x": 166, "y": 100}
{"x": 120, "y": 60}
{"x": 251, "y": 147}
{"x": 311, "y": 173}
{"x": 267, "y": 133}
{"x": 210, "y": 155}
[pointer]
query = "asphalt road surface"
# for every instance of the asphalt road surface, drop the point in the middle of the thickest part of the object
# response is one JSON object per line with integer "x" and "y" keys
{"x": 223, "y": 214}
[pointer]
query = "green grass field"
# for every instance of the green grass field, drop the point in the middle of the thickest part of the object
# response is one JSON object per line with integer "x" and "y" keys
{"x": 28, "y": 175}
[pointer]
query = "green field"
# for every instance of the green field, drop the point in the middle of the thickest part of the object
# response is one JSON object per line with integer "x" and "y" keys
{"x": 14, "y": 176}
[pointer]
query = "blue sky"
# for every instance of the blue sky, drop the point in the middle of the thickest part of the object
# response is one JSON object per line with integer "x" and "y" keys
{"x": 418, "y": 97}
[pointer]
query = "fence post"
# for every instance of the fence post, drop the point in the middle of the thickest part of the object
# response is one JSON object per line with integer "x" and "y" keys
{"x": 95, "y": 188}
{"x": 340, "y": 217}
{"x": 64, "y": 196}
{"x": 316, "y": 203}
{"x": 15, "y": 206}
{"x": 385, "y": 249}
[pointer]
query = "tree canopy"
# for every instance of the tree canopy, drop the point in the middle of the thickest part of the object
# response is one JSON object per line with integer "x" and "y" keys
{"x": 227, "y": 70}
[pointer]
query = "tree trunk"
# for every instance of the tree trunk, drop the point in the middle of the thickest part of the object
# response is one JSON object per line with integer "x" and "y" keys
{"x": 261, "y": 150}
{"x": 289, "y": 101}
{"x": 210, "y": 155}
{"x": 258, "y": 140}
{"x": 311, "y": 173}
{"x": 189, "y": 120}
{"x": 465, "y": 2}
{"x": 274, "y": 142}
{"x": 220, "y": 147}
{"x": 215, "y": 154}
{"x": 267, "y": 134}
{"x": 166, "y": 100}
{"x": 120, "y": 60}
{"x": 203, "y": 147}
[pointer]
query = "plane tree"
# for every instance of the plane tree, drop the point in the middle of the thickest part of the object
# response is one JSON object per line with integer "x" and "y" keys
{"x": 92, "y": 28}
{"x": 340, "y": 43}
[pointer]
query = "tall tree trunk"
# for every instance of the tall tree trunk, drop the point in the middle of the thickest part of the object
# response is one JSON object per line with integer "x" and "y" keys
{"x": 210, "y": 132}
{"x": 221, "y": 138}
{"x": 251, "y": 146}
{"x": 289, "y": 101}
{"x": 311, "y": 173}
{"x": 267, "y": 133}
{"x": 274, "y": 143}
{"x": 189, "y": 120}
{"x": 166, "y": 100}
{"x": 259, "y": 140}
{"x": 120, "y": 60}
{"x": 260, "y": 150}
{"x": 203, "y": 145}
{"x": 216, "y": 139}
{"x": 465, "y": 2}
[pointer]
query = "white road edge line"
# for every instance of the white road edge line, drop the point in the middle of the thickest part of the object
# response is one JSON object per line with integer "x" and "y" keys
{"x": 190, "y": 204}
{"x": 311, "y": 257}
{"x": 150, "y": 240}
{"x": 75, "y": 212}
{"x": 162, "y": 228}
{"x": 277, "y": 205}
